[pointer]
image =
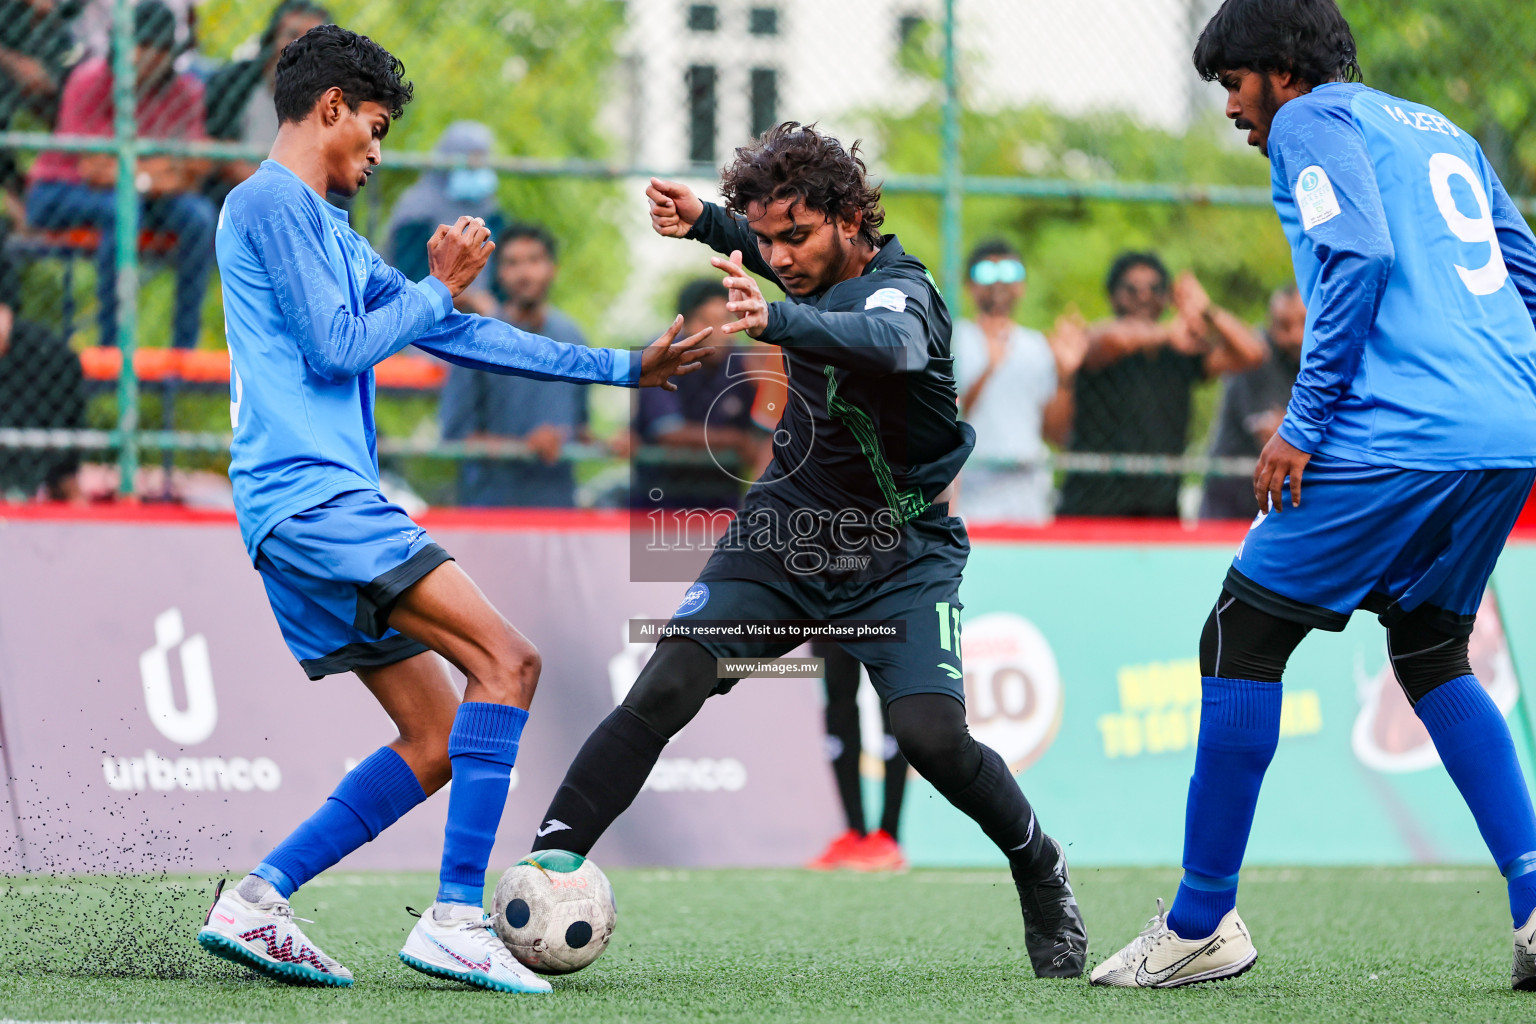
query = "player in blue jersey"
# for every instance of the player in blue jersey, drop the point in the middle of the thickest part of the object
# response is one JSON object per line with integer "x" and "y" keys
{"x": 1404, "y": 457}
{"x": 356, "y": 586}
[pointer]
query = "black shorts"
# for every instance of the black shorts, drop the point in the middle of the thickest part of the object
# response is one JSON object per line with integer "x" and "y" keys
{"x": 925, "y": 594}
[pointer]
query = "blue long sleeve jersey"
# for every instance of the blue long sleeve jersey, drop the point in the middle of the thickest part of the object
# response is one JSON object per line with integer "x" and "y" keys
{"x": 309, "y": 309}
{"x": 1419, "y": 277}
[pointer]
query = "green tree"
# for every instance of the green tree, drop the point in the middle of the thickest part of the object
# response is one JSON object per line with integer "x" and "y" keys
{"x": 1473, "y": 60}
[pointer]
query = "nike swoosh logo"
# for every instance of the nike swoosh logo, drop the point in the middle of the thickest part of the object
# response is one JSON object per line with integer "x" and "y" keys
{"x": 552, "y": 825}
{"x": 954, "y": 673}
{"x": 226, "y": 920}
{"x": 1148, "y": 979}
{"x": 486, "y": 967}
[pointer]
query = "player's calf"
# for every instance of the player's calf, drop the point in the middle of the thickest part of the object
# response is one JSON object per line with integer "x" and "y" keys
{"x": 262, "y": 934}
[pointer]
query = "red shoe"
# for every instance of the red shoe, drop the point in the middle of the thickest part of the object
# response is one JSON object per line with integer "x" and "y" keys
{"x": 839, "y": 852}
{"x": 878, "y": 852}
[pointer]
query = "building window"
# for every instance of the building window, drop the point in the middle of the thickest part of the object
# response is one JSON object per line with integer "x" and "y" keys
{"x": 765, "y": 99}
{"x": 703, "y": 17}
{"x": 702, "y": 79}
{"x": 764, "y": 21}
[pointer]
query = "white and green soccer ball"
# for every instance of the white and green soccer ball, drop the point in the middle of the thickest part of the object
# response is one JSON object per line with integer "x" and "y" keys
{"x": 555, "y": 911}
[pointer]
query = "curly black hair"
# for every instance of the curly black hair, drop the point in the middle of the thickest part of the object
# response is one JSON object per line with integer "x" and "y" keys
{"x": 1308, "y": 38}
{"x": 795, "y": 161}
{"x": 330, "y": 56}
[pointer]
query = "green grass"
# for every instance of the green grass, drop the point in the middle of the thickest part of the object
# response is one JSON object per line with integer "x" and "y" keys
{"x": 1334, "y": 944}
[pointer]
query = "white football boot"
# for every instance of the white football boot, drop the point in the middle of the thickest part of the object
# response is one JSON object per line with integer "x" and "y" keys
{"x": 463, "y": 947}
{"x": 1522, "y": 978}
{"x": 1159, "y": 958}
{"x": 264, "y": 937}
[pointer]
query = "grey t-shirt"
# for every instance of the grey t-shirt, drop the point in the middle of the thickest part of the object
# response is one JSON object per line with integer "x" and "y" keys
{"x": 1007, "y": 417}
{"x": 476, "y": 402}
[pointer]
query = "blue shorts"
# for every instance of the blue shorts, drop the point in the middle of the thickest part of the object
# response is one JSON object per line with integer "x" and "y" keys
{"x": 333, "y": 574}
{"x": 1385, "y": 539}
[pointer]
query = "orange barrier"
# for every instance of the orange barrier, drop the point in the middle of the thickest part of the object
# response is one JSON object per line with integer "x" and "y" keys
{"x": 198, "y": 366}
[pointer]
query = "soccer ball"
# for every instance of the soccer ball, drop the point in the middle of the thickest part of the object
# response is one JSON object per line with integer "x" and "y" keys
{"x": 555, "y": 911}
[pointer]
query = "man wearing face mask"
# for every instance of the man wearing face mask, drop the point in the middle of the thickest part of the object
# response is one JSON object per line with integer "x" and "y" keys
{"x": 1015, "y": 389}
{"x": 442, "y": 197}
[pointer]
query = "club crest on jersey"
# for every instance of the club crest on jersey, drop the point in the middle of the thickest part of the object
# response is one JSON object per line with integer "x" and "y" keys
{"x": 1315, "y": 202}
{"x": 696, "y": 598}
{"x": 893, "y": 299}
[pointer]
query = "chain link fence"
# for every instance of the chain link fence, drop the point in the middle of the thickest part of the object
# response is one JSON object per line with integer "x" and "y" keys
{"x": 1026, "y": 147}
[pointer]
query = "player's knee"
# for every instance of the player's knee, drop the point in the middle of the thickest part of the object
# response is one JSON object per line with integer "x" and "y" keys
{"x": 930, "y": 731}
{"x": 672, "y": 686}
{"x": 1240, "y": 641}
{"x": 1424, "y": 653}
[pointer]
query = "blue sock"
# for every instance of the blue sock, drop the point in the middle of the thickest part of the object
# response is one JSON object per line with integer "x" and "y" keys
{"x": 483, "y": 748}
{"x": 1239, "y": 728}
{"x": 1474, "y": 745}
{"x": 370, "y": 798}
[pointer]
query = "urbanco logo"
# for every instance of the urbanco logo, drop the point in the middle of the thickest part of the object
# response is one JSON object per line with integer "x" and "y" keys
{"x": 201, "y": 715}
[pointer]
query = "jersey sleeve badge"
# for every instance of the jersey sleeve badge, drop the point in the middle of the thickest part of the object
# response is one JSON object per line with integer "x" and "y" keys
{"x": 893, "y": 299}
{"x": 1315, "y": 201}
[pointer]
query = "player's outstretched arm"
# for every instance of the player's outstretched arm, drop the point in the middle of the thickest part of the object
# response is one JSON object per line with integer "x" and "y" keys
{"x": 335, "y": 343}
{"x": 482, "y": 343}
{"x": 1341, "y": 216}
{"x": 884, "y": 331}
{"x": 677, "y": 213}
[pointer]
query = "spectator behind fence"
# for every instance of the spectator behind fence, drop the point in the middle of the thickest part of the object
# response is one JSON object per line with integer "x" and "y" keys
{"x": 41, "y": 386}
{"x": 240, "y": 99}
{"x": 74, "y": 190}
{"x": 36, "y": 50}
{"x": 1015, "y": 389}
{"x": 544, "y": 414}
{"x": 1133, "y": 393}
{"x": 442, "y": 197}
{"x": 705, "y": 414}
{"x": 1252, "y": 405}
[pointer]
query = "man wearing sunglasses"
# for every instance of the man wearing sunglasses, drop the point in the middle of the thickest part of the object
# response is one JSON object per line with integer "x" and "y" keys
{"x": 1015, "y": 389}
{"x": 1133, "y": 393}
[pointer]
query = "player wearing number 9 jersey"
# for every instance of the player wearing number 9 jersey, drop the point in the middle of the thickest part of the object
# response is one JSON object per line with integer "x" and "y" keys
{"x": 1405, "y": 455}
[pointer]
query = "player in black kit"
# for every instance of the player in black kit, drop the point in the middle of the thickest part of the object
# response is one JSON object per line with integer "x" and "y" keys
{"x": 849, "y": 521}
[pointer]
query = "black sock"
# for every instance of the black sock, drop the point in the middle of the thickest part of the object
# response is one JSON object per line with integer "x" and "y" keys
{"x": 603, "y": 780}
{"x": 930, "y": 727}
{"x": 895, "y": 780}
{"x": 844, "y": 744}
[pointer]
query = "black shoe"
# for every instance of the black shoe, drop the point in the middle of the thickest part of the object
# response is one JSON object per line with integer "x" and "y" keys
{"x": 1053, "y": 925}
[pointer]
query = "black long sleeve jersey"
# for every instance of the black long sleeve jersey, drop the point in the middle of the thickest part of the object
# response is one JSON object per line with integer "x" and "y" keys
{"x": 871, "y": 422}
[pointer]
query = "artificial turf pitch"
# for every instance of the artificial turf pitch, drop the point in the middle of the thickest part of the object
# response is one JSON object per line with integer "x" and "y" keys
{"x": 1402, "y": 944}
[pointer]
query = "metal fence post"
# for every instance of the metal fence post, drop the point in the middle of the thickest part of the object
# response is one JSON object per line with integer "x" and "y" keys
{"x": 125, "y": 108}
{"x": 950, "y": 217}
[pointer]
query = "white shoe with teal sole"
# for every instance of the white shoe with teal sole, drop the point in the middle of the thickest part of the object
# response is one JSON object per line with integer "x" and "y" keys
{"x": 462, "y": 947}
{"x": 266, "y": 938}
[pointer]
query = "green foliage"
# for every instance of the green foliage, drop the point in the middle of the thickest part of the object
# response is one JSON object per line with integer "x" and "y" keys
{"x": 1473, "y": 60}
{"x": 1068, "y": 244}
{"x": 535, "y": 71}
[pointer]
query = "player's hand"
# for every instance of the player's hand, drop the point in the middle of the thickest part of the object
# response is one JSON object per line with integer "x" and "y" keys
{"x": 457, "y": 254}
{"x": 1278, "y": 460}
{"x": 663, "y": 358}
{"x": 745, "y": 298}
{"x": 674, "y": 208}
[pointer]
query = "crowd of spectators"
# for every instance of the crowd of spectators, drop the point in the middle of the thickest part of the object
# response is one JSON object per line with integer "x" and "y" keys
{"x": 1124, "y": 385}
